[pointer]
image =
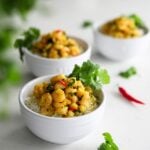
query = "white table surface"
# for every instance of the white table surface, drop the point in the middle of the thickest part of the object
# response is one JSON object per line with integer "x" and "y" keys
{"x": 129, "y": 124}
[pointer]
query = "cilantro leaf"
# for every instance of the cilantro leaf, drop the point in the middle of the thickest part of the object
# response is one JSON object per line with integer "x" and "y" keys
{"x": 29, "y": 37}
{"x": 91, "y": 74}
{"x": 87, "y": 24}
{"x": 6, "y": 37}
{"x": 109, "y": 143}
{"x": 128, "y": 73}
{"x": 9, "y": 72}
{"x": 139, "y": 22}
{"x": 22, "y": 7}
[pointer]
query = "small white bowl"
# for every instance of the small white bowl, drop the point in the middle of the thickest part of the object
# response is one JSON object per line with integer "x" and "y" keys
{"x": 120, "y": 49}
{"x": 40, "y": 66}
{"x": 58, "y": 130}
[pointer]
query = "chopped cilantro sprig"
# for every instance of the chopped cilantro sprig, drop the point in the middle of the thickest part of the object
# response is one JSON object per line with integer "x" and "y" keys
{"x": 108, "y": 144}
{"x": 29, "y": 36}
{"x": 91, "y": 74}
{"x": 87, "y": 23}
{"x": 128, "y": 73}
{"x": 139, "y": 22}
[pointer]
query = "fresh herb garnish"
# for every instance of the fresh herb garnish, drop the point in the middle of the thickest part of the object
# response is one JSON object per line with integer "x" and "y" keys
{"x": 108, "y": 144}
{"x": 91, "y": 74}
{"x": 49, "y": 88}
{"x": 6, "y": 37}
{"x": 9, "y": 73}
{"x": 139, "y": 22}
{"x": 71, "y": 82}
{"x": 11, "y": 7}
{"x": 128, "y": 73}
{"x": 87, "y": 24}
{"x": 29, "y": 36}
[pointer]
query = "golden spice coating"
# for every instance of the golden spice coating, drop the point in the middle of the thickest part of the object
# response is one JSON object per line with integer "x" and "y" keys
{"x": 121, "y": 27}
{"x": 64, "y": 97}
{"x": 57, "y": 78}
{"x": 56, "y": 45}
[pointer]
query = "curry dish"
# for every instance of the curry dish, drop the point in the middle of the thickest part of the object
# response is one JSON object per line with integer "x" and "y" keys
{"x": 62, "y": 96}
{"x": 121, "y": 27}
{"x": 56, "y": 44}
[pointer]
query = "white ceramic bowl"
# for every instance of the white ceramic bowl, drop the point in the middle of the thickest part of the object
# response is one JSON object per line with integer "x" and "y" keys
{"x": 40, "y": 66}
{"x": 54, "y": 129}
{"x": 120, "y": 49}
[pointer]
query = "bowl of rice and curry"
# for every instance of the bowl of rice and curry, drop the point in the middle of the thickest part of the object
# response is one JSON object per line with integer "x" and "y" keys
{"x": 122, "y": 38}
{"x": 65, "y": 108}
{"x": 53, "y": 52}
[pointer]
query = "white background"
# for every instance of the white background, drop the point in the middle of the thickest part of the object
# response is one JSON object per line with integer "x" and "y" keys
{"x": 128, "y": 123}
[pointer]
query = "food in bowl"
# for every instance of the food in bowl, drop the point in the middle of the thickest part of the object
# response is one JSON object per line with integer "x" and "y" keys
{"x": 62, "y": 96}
{"x": 65, "y": 96}
{"x": 124, "y": 46}
{"x": 74, "y": 50}
{"x": 64, "y": 130}
{"x": 123, "y": 27}
{"x": 56, "y": 44}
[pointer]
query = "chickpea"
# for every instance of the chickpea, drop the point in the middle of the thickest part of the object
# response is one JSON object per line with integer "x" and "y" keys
{"x": 64, "y": 52}
{"x": 70, "y": 113}
{"x": 74, "y": 51}
{"x": 80, "y": 92}
{"x": 78, "y": 84}
{"x": 58, "y": 105}
{"x": 58, "y": 85}
{"x": 46, "y": 100}
{"x": 73, "y": 106}
{"x": 59, "y": 46}
{"x": 38, "y": 90}
{"x": 73, "y": 98}
{"x": 61, "y": 110}
{"x": 70, "y": 90}
{"x": 58, "y": 95}
{"x": 68, "y": 102}
{"x": 53, "y": 54}
{"x": 58, "y": 36}
{"x": 47, "y": 111}
{"x": 85, "y": 100}
{"x": 58, "y": 78}
{"x": 82, "y": 108}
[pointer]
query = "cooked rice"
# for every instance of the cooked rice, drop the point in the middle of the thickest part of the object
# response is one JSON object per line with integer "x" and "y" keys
{"x": 31, "y": 103}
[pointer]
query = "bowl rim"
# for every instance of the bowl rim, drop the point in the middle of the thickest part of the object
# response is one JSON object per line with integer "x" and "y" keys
{"x": 26, "y": 51}
{"x": 97, "y": 25}
{"x": 45, "y": 78}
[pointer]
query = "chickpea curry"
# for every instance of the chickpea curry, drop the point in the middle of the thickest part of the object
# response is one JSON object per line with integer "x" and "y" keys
{"x": 56, "y": 44}
{"x": 122, "y": 27}
{"x": 63, "y": 96}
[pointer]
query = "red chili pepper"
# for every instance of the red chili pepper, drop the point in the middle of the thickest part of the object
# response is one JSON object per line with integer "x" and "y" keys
{"x": 127, "y": 96}
{"x": 63, "y": 83}
{"x": 58, "y": 30}
{"x": 72, "y": 109}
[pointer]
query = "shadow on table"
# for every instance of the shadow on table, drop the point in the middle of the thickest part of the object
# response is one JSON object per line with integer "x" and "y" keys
{"x": 98, "y": 57}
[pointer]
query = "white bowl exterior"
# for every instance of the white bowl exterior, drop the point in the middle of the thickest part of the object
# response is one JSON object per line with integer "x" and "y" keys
{"x": 40, "y": 66}
{"x": 120, "y": 49}
{"x": 58, "y": 130}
